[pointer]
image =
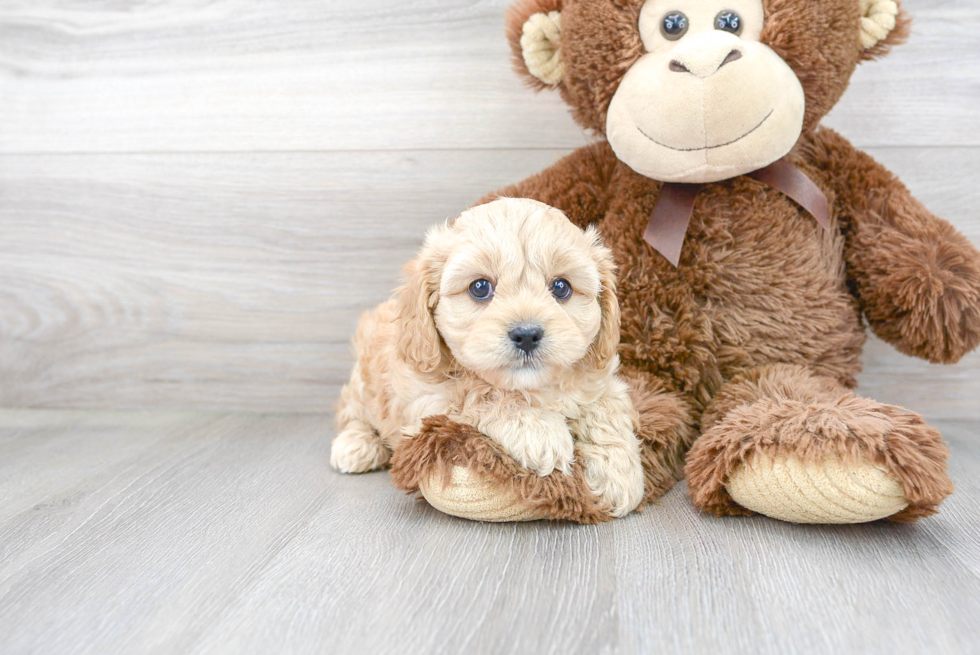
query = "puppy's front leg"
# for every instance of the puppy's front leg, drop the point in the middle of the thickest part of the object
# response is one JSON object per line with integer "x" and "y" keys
{"x": 540, "y": 441}
{"x": 357, "y": 448}
{"x": 609, "y": 449}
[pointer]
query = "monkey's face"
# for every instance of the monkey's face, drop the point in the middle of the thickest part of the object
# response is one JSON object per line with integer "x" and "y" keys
{"x": 708, "y": 101}
{"x": 700, "y": 90}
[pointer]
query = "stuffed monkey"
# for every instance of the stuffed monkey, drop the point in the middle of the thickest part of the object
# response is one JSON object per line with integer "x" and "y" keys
{"x": 753, "y": 248}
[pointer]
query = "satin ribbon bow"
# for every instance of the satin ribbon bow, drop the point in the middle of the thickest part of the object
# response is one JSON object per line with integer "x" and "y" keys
{"x": 672, "y": 214}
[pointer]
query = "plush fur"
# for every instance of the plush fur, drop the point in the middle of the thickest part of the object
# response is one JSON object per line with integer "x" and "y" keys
{"x": 435, "y": 349}
{"x": 785, "y": 408}
{"x": 754, "y": 340}
{"x": 442, "y": 444}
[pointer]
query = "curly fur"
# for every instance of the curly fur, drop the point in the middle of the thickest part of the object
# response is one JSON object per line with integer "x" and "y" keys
{"x": 435, "y": 350}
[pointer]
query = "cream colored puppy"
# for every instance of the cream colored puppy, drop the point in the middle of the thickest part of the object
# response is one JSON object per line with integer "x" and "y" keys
{"x": 508, "y": 322}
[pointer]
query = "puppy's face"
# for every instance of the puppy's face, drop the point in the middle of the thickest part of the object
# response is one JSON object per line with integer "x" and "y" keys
{"x": 522, "y": 294}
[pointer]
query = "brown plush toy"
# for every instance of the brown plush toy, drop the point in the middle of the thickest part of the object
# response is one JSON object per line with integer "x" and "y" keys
{"x": 752, "y": 246}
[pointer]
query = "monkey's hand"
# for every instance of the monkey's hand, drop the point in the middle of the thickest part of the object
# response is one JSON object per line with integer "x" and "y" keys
{"x": 916, "y": 276}
{"x": 919, "y": 288}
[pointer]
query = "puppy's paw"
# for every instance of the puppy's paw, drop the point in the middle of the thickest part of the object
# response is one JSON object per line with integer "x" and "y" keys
{"x": 357, "y": 449}
{"x": 542, "y": 443}
{"x": 556, "y": 449}
{"x": 548, "y": 446}
{"x": 613, "y": 474}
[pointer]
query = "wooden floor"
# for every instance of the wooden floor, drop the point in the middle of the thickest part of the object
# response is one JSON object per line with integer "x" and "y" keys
{"x": 196, "y": 533}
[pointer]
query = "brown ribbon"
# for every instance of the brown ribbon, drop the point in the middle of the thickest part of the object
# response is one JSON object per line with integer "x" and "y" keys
{"x": 672, "y": 214}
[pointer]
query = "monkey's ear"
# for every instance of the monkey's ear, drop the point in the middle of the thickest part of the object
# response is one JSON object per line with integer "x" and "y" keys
{"x": 534, "y": 32}
{"x": 883, "y": 24}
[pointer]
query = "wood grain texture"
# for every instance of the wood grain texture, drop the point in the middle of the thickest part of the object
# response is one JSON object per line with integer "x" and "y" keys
{"x": 302, "y": 75}
{"x": 234, "y": 282}
{"x": 302, "y": 149}
{"x": 227, "y": 534}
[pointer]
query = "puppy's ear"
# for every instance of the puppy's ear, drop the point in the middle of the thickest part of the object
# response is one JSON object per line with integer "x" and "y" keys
{"x": 418, "y": 339}
{"x": 606, "y": 343}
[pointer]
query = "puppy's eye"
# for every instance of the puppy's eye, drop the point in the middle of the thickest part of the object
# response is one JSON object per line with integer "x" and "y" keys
{"x": 561, "y": 289}
{"x": 674, "y": 25}
{"x": 481, "y": 289}
{"x": 728, "y": 21}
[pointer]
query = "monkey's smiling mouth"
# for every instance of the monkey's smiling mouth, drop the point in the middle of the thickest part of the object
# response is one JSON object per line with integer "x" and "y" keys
{"x": 720, "y": 145}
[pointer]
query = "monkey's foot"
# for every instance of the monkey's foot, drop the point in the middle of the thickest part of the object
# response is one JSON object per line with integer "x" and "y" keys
{"x": 800, "y": 448}
{"x": 461, "y": 472}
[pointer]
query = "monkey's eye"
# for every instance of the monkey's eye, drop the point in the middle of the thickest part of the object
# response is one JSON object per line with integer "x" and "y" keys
{"x": 728, "y": 21}
{"x": 561, "y": 289}
{"x": 481, "y": 289}
{"x": 674, "y": 26}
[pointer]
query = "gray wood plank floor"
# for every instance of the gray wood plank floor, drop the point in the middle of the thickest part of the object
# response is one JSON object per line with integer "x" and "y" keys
{"x": 222, "y": 533}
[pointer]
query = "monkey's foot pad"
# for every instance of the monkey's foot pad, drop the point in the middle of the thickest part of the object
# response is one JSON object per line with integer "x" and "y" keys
{"x": 471, "y": 497}
{"x": 824, "y": 491}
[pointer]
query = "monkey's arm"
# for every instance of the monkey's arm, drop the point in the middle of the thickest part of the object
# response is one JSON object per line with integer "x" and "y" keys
{"x": 577, "y": 184}
{"x": 916, "y": 276}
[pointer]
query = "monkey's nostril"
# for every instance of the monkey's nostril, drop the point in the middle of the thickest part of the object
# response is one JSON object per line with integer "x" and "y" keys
{"x": 527, "y": 337}
{"x": 677, "y": 66}
{"x": 732, "y": 56}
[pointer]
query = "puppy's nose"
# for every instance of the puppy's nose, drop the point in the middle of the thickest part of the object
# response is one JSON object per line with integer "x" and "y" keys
{"x": 527, "y": 337}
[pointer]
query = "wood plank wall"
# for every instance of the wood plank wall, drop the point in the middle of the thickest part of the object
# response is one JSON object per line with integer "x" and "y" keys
{"x": 199, "y": 197}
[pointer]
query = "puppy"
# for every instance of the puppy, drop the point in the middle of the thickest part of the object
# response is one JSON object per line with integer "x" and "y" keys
{"x": 508, "y": 322}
